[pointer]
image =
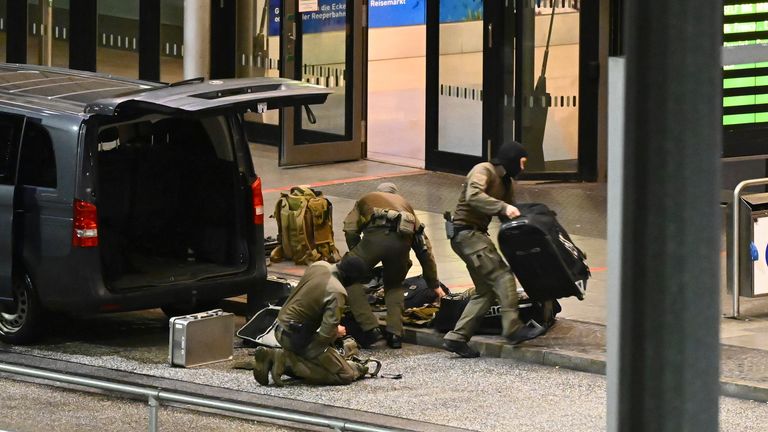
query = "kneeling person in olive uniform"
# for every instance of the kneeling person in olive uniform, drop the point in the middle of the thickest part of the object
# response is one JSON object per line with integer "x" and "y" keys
{"x": 389, "y": 229}
{"x": 308, "y": 325}
{"x": 487, "y": 192}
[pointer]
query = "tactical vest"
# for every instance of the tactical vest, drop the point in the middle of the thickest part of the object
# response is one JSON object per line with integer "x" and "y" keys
{"x": 305, "y": 227}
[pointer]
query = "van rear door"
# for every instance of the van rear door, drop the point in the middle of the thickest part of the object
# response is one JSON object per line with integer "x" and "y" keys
{"x": 254, "y": 94}
{"x": 11, "y": 128}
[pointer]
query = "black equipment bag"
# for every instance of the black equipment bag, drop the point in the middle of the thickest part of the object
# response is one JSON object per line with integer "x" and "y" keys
{"x": 261, "y": 328}
{"x": 417, "y": 294}
{"x": 453, "y": 305}
{"x": 542, "y": 255}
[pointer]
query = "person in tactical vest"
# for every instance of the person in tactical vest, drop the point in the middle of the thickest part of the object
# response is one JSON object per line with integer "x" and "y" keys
{"x": 488, "y": 191}
{"x": 307, "y": 327}
{"x": 382, "y": 227}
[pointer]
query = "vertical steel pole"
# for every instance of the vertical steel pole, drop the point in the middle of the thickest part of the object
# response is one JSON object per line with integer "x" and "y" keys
{"x": 153, "y": 404}
{"x": 46, "y": 32}
{"x": 197, "y": 38}
{"x": 669, "y": 318}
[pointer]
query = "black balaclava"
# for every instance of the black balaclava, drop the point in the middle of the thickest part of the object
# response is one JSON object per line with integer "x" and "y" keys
{"x": 509, "y": 156}
{"x": 352, "y": 269}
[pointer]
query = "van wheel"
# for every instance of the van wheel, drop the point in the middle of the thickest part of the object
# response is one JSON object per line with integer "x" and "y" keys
{"x": 175, "y": 310}
{"x": 20, "y": 322}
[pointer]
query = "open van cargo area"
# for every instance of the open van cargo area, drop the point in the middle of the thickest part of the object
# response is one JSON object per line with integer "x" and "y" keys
{"x": 167, "y": 200}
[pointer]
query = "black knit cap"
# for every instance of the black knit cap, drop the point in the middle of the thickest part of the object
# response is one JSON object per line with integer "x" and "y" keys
{"x": 509, "y": 156}
{"x": 352, "y": 269}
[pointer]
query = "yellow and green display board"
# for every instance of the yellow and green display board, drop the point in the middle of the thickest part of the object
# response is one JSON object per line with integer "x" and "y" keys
{"x": 745, "y": 87}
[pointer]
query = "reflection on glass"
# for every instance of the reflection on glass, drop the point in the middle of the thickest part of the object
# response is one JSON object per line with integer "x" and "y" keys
{"x": 460, "y": 108}
{"x": 171, "y": 38}
{"x": 265, "y": 57}
{"x": 117, "y": 37}
{"x": 61, "y": 33}
{"x": 324, "y": 54}
{"x": 35, "y": 37}
{"x": 550, "y": 77}
{"x": 396, "y": 89}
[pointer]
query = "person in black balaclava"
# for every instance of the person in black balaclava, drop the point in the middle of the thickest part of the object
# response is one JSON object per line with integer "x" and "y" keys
{"x": 511, "y": 156}
{"x": 488, "y": 191}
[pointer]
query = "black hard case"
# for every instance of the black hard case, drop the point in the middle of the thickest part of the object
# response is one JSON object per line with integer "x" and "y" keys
{"x": 542, "y": 255}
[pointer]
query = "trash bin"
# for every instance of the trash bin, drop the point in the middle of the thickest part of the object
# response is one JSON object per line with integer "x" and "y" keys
{"x": 753, "y": 250}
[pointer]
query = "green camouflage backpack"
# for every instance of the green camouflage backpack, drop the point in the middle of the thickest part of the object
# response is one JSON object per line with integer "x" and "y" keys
{"x": 305, "y": 227}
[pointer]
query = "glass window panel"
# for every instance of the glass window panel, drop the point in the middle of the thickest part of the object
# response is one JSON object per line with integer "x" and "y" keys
{"x": 265, "y": 58}
{"x": 33, "y": 32}
{"x": 37, "y": 164}
{"x": 117, "y": 38}
{"x": 397, "y": 82}
{"x": 171, "y": 40}
{"x": 61, "y": 33}
{"x": 460, "y": 106}
{"x": 550, "y": 130}
{"x": 324, "y": 62}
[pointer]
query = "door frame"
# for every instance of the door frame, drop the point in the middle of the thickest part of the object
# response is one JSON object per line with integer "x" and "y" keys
{"x": 8, "y": 193}
{"x": 291, "y": 151}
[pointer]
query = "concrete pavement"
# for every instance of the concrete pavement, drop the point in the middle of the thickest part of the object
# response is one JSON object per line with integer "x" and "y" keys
{"x": 578, "y": 340}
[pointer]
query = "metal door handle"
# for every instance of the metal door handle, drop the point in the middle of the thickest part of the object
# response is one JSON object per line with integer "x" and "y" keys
{"x": 490, "y": 35}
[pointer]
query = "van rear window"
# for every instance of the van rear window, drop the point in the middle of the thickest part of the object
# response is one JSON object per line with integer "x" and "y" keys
{"x": 37, "y": 165}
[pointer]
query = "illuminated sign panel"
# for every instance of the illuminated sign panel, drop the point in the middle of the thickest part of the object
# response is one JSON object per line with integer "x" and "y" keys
{"x": 745, "y": 86}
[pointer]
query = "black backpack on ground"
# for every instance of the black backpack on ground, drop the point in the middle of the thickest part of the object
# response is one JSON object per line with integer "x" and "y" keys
{"x": 417, "y": 294}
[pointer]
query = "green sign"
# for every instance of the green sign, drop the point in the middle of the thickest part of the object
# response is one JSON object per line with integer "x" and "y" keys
{"x": 745, "y": 87}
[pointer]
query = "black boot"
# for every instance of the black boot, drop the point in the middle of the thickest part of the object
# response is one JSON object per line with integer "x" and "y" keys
{"x": 263, "y": 359}
{"x": 278, "y": 367}
{"x": 526, "y": 332}
{"x": 394, "y": 341}
{"x": 461, "y": 348}
{"x": 370, "y": 337}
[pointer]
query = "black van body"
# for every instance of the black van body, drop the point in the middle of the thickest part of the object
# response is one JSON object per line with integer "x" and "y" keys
{"x": 120, "y": 195}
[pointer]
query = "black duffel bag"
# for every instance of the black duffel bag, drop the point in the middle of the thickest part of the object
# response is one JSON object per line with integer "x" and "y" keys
{"x": 453, "y": 305}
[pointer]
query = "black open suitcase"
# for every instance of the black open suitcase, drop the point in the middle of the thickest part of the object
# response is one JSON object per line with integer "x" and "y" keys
{"x": 542, "y": 255}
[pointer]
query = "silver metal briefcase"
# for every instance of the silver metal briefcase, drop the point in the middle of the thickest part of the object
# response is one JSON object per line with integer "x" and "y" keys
{"x": 201, "y": 338}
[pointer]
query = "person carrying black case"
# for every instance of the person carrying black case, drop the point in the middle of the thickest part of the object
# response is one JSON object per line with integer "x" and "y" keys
{"x": 487, "y": 192}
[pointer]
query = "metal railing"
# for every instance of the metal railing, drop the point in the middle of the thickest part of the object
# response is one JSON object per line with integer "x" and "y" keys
{"x": 735, "y": 246}
{"x": 155, "y": 395}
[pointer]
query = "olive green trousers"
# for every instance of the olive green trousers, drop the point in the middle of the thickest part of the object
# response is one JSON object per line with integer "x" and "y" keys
{"x": 492, "y": 280}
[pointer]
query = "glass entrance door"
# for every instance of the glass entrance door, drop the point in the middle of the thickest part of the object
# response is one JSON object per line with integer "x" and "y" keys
{"x": 323, "y": 45}
{"x": 524, "y": 70}
{"x": 456, "y": 34}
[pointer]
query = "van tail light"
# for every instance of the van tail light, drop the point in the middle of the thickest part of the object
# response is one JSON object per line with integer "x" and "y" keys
{"x": 85, "y": 232}
{"x": 258, "y": 202}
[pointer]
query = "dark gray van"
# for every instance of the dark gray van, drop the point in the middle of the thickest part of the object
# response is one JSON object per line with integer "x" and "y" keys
{"x": 120, "y": 195}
